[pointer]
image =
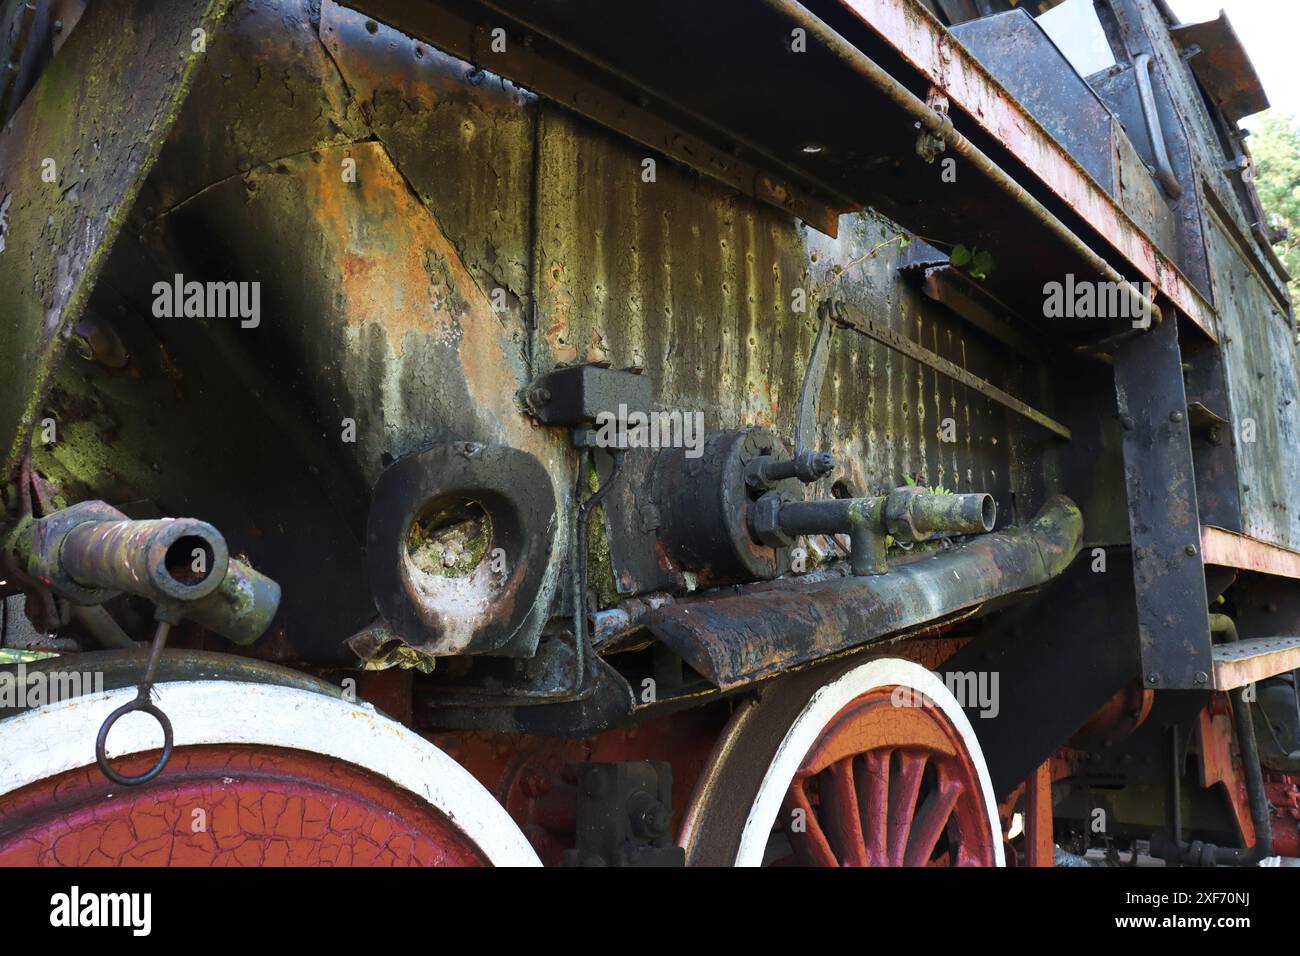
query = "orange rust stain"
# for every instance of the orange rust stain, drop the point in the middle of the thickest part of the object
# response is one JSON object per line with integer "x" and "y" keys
{"x": 557, "y": 333}
{"x": 399, "y": 271}
{"x": 355, "y": 265}
{"x": 382, "y": 274}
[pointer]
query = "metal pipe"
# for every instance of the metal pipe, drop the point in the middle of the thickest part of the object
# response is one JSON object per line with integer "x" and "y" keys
{"x": 101, "y": 626}
{"x": 1147, "y": 95}
{"x": 939, "y": 125}
{"x": 913, "y": 514}
{"x": 91, "y": 552}
{"x": 181, "y": 559}
{"x": 241, "y": 608}
{"x": 831, "y": 515}
{"x": 909, "y": 514}
{"x": 748, "y": 633}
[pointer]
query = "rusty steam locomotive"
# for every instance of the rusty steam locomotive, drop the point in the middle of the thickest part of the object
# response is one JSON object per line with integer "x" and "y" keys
{"x": 845, "y": 432}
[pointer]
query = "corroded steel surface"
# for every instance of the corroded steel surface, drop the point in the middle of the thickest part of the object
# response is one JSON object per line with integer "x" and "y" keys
{"x": 98, "y": 138}
{"x": 255, "y": 807}
{"x": 1223, "y": 66}
{"x": 736, "y": 638}
{"x": 1219, "y": 765}
{"x": 1230, "y": 550}
{"x": 1263, "y": 392}
{"x": 380, "y": 306}
{"x": 918, "y": 36}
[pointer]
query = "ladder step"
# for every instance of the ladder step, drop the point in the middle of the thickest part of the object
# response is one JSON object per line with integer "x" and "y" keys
{"x": 1243, "y": 662}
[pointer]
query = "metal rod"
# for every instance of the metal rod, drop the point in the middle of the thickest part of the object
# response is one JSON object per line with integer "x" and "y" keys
{"x": 1146, "y": 93}
{"x": 939, "y": 125}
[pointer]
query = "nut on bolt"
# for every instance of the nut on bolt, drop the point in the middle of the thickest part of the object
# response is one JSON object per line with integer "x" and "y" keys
{"x": 765, "y": 521}
{"x": 764, "y": 471}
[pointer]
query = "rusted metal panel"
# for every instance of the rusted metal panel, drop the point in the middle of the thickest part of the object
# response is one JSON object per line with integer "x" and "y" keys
{"x": 1164, "y": 525}
{"x": 1244, "y": 662}
{"x": 548, "y": 65}
{"x": 1221, "y": 64}
{"x": 922, "y": 40}
{"x": 95, "y": 122}
{"x": 623, "y": 47}
{"x": 737, "y": 638}
{"x": 1263, "y": 391}
{"x": 462, "y": 137}
{"x": 679, "y": 278}
{"x": 1015, "y": 49}
{"x": 1231, "y": 550}
{"x": 905, "y": 346}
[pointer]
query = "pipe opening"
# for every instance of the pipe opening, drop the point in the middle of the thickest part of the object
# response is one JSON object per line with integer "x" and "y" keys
{"x": 988, "y": 512}
{"x": 189, "y": 560}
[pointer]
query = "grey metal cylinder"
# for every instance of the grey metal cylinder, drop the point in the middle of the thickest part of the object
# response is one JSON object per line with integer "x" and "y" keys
{"x": 242, "y": 608}
{"x": 181, "y": 559}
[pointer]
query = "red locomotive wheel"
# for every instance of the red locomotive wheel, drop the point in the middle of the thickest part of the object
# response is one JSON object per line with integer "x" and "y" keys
{"x": 228, "y": 806}
{"x": 873, "y": 766}
{"x": 261, "y": 775}
{"x": 887, "y": 786}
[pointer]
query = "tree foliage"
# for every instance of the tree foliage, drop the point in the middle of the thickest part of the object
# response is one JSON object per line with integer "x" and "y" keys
{"x": 1275, "y": 147}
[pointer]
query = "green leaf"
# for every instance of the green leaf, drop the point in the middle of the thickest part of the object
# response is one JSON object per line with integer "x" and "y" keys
{"x": 960, "y": 256}
{"x": 982, "y": 263}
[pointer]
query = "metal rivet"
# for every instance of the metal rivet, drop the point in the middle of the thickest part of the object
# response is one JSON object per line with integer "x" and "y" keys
{"x": 1153, "y": 678}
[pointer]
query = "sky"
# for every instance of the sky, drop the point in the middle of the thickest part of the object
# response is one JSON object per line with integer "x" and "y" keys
{"x": 1270, "y": 32}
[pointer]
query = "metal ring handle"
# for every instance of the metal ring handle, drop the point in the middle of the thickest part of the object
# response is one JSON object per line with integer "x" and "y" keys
{"x": 101, "y": 743}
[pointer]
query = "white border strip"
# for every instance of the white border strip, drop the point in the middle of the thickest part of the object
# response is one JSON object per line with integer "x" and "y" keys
{"x": 50, "y": 740}
{"x": 808, "y": 726}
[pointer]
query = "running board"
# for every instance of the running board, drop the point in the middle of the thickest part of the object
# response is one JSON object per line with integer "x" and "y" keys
{"x": 1244, "y": 662}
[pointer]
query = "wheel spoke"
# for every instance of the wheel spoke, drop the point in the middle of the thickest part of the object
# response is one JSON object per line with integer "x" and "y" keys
{"x": 809, "y": 843}
{"x": 873, "y": 805}
{"x": 930, "y": 822}
{"x": 839, "y": 810}
{"x": 904, "y": 790}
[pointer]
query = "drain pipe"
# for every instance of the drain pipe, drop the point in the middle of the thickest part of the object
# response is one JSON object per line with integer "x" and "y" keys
{"x": 1200, "y": 853}
{"x": 939, "y": 126}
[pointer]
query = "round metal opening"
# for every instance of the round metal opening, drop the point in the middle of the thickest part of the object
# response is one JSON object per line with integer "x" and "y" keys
{"x": 189, "y": 560}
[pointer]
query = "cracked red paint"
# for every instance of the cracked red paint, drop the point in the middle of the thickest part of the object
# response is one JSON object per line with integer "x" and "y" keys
{"x": 263, "y": 807}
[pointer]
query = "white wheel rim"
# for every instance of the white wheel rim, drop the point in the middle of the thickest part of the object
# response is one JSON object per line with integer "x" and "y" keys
{"x": 50, "y": 740}
{"x": 825, "y": 703}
